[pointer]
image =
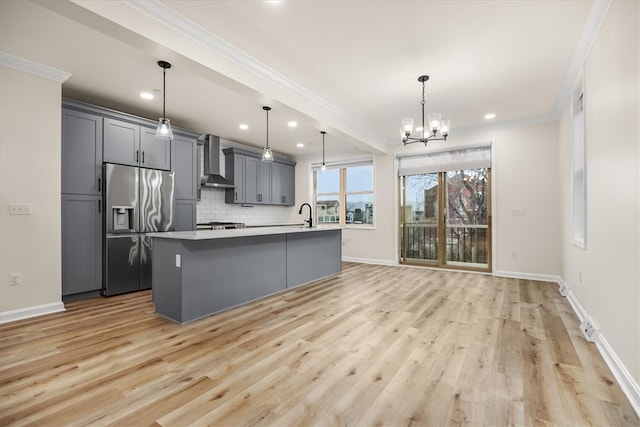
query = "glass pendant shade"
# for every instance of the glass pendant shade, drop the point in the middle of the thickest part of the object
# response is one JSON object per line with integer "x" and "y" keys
{"x": 407, "y": 125}
{"x": 444, "y": 127}
{"x": 323, "y": 167}
{"x": 267, "y": 155}
{"x": 434, "y": 122}
{"x": 163, "y": 130}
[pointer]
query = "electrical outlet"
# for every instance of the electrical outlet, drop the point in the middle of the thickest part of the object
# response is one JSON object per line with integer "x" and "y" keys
{"x": 588, "y": 329}
{"x": 19, "y": 209}
{"x": 564, "y": 289}
{"x": 14, "y": 279}
{"x": 518, "y": 212}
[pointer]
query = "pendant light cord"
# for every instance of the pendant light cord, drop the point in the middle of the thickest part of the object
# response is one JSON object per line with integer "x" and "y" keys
{"x": 164, "y": 96}
{"x": 267, "y": 128}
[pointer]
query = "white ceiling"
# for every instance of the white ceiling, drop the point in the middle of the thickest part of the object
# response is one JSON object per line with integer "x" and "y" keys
{"x": 347, "y": 67}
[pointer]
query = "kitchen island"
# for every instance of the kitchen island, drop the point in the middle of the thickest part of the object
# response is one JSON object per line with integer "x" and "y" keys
{"x": 198, "y": 273}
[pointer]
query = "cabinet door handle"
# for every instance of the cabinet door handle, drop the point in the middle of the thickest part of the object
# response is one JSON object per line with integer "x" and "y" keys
{"x": 99, "y": 206}
{"x": 100, "y": 184}
{"x": 236, "y": 195}
{"x": 137, "y": 152}
{"x": 143, "y": 157}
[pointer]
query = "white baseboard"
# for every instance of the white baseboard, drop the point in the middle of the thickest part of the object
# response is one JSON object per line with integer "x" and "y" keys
{"x": 369, "y": 261}
{"x": 627, "y": 383}
{"x": 36, "y": 310}
{"x": 528, "y": 276}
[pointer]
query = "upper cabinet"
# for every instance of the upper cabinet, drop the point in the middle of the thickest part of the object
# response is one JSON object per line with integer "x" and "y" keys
{"x": 81, "y": 152}
{"x": 282, "y": 184}
{"x": 185, "y": 166}
{"x": 257, "y": 182}
{"x": 130, "y": 144}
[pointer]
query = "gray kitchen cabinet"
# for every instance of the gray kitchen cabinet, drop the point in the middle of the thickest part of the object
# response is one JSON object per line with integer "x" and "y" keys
{"x": 154, "y": 153}
{"x": 234, "y": 169}
{"x": 130, "y": 144}
{"x": 81, "y": 243}
{"x": 186, "y": 167}
{"x": 81, "y": 152}
{"x": 257, "y": 182}
{"x": 282, "y": 184}
{"x": 185, "y": 215}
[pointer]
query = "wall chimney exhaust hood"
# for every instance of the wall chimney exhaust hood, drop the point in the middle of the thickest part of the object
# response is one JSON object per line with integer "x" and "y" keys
{"x": 212, "y": 177}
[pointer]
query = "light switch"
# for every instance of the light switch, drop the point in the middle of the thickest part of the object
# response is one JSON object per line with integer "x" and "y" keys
{"x": 19, "y": 208}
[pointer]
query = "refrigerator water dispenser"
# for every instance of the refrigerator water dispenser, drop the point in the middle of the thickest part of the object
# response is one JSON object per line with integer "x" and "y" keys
{"x": 122, "y": 218}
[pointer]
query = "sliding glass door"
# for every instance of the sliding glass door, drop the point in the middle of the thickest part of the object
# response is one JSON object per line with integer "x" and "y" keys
{"x": 446, "y": 220}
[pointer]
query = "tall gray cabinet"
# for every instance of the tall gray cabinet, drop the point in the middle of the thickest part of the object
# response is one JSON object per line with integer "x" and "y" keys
{"x": 81, "y": 202}
{"x": 186, "y": 167}
{"x": 90, "y": 136}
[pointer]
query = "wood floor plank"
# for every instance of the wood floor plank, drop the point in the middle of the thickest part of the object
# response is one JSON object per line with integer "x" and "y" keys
{"x": 373, "y": 345}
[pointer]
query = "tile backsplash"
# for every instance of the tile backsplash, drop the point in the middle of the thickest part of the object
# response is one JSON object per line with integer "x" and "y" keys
{"x": 212, "y": 207}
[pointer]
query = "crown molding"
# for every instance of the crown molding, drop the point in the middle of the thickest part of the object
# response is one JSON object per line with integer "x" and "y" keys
{"x": 167, "y": 16}
{"x": 21, "y": 64}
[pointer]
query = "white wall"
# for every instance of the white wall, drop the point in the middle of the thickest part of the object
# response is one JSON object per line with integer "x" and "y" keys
{"x": 30, "y": 111}
{"x": 609, "y": 290}
{"x": 525, "y": 176}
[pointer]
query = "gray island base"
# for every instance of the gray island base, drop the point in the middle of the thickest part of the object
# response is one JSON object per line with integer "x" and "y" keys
{"x": 196, "y": 274}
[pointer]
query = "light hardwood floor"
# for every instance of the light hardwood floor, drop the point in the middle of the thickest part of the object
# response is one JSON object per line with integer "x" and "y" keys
{"x": 375, "y": 345}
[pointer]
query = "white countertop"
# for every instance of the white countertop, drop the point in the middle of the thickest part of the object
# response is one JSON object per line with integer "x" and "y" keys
{"x": 236, "y": 232}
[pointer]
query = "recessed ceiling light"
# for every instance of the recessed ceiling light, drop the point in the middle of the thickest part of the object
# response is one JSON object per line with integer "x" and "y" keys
{"x": 292, "y": 124}
{"x": 146, "y": 95}
{"x": 299, "y": 145}
{"x": 243, "y": 126}
{"x": 490, "y": 116}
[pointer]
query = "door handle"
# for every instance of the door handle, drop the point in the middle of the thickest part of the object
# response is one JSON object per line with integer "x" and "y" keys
{"x": 236, "y": 193}
{"x": 143, "y": 157}
{"x": 99, "y": 206}
{"x": 99, "y": 184}
{"x": 137, "y": 152}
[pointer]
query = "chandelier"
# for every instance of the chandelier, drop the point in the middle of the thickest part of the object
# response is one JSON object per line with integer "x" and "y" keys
{"x": 436, "y": 124}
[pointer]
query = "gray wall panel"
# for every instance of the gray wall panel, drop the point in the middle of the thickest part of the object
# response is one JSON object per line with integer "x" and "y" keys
{"x": 167, "y": 295}
{"x": 223, "y": 273}
{"x": 311, "y": 256}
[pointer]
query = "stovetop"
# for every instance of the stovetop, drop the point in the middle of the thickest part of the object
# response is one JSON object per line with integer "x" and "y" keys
{"x": 215, "y": 225}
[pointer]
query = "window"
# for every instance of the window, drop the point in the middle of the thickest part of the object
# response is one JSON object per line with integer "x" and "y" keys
{"x": 578, "y": 178}
{"x": 343, "y": 194}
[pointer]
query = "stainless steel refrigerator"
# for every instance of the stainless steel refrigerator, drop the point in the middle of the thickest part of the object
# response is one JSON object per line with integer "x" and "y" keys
{"x": 137, "y": 201}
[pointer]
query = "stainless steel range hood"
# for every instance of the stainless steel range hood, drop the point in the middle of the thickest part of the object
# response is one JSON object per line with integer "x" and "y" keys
{"x": 212, "y": 177}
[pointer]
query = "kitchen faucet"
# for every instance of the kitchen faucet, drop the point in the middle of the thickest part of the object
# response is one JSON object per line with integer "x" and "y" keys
{"x": 310, "y": 220}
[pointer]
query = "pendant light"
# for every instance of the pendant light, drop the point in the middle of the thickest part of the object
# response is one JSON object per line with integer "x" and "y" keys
{"x": 267, "y": 155}
{"x": 324, "y": 166}
{"x": 163, "y": 131}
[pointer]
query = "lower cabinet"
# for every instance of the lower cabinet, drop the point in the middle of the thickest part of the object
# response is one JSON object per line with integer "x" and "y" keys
{"x": 81, "y": 243}
{"x": 185, "y": 215}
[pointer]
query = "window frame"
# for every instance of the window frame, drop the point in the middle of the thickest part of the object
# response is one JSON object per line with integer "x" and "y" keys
{"x": 343, "y": 193}
{"x": 578, "y": 166}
